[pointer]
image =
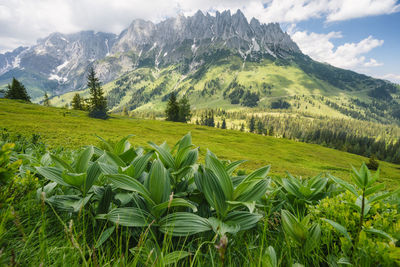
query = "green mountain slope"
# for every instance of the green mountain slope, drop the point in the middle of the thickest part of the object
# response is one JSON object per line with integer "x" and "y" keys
{"x": 73, "y": 128}
{"x": 230, "y": 83}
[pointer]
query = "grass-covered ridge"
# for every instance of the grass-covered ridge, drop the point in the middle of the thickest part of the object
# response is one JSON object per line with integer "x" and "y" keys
{"x": 68, "y": 128}
{"x": 228, "y": 83}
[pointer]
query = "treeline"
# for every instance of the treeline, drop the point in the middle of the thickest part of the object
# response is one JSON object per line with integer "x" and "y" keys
{"x": 334, "y": 134}
{"x": 357, "y": 137}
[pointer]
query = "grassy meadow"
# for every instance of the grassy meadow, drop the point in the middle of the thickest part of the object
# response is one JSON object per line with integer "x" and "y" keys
{"x": 69, "y": 199}
{"x": 73, "y": 129}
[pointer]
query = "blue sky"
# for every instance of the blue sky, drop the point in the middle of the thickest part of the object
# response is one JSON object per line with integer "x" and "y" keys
{"x": 361, "y": 35}
{"x": 384, "y": 28}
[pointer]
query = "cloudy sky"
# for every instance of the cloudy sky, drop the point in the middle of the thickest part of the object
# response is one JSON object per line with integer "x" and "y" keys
{"x": 361, "y": 35}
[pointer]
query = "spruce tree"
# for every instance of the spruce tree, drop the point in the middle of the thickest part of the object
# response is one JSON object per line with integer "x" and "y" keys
{"x": 242, "y": 127}
{"x": 252, "y": 124}
{"x": 260, "y": 127}
{"x": 184, "y": 110}
{"x": 97, "y": 101}
{"x": 77, "y": 102}
{"x": 172, "y": 110}
{"x": 46, "y": 101}
{"x": 16, "y": 90}
{"x": 223, "y": 126}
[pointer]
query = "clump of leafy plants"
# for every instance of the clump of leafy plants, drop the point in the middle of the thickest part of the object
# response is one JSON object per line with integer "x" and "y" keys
{"x": 159, "y": 205}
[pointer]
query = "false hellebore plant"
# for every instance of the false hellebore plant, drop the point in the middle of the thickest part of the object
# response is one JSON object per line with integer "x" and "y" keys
{"x": 163, "y": 190}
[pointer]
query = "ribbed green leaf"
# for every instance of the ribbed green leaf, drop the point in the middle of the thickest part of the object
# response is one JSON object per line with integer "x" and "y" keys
{"x": 270, "y": 259}
{"x": 74, "y": 179}
{"x": 213, "y": 192}
{"x": 158, "y": 182}
{"x": 61, "y": 164}
{"x": 131, "y": 217}
{"x": 176, "y": 202}
{"x": 251, "y": 191}
{"x": 344, "y": 184}
{"x": 233, "y": 165}
{"x": 224, "y": 179}
{"x": 108, "y": 168}
{"x": 128, "y": 183}
{"x": 114, "y": 159}
{"x": 374, "y": 189}
{"x": 339, "y": 228}
{"x": 293, "y": 228}
{"x": 122, "y": 145}
{"x": 191, "y": 157}
{"x": 128, "y": 156}
{"x": 140, "y": 164}
{"x": 70, "y": 203}
{"x": 53, "y": 174}
{"x": 245, "y": 220}
{"x": 82, "y": 162}
{"x": 184, "y": 224}
{"x": 379, "y": 233}
{"x": 259, "y": 173}
{"x": 104, "y": 236}
{"x": 185, "y": 141}
{"x": 165, "y": 155}
{"x": 313, "y": 238}
{"x": 107, "y": 144}
{"x": 93, "y": 174}
{"x": 174, "y": 257}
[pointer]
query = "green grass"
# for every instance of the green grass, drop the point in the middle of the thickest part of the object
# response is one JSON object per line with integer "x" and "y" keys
{"x": 69, "y": 128}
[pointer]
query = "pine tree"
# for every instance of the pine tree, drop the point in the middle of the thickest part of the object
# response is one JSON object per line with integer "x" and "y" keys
{"x": 16, "y": 90}
{"x": 184, "y": 110}
{"x": 218, "y": 125}
{"x": 172, "y": 110}
{"x": 242, "y": 127}
{"x": 252, "y": 124}
{"x": 97, "y": 101}
{"x": 271, "y": 131}
{"x": 223, "y": 126}
{"x": 46, "y": 101}
{"x": 260, "y": 127}
{"x": 77, "y": 102}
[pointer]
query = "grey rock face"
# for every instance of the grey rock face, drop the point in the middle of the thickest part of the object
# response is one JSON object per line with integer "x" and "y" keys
{"x": 65, "y": 58}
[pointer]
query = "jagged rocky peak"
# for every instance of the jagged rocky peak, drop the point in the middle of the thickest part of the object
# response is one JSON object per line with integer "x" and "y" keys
{"x": 200, "y": 26}
{"x": 64, "y": 58}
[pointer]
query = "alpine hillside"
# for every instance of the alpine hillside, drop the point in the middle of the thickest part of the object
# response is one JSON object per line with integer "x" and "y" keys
{"x": 221, "y": 61}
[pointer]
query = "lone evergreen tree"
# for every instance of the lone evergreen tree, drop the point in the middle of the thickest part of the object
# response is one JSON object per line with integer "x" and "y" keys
{"x": 260, "y": 127}
{"x": 242, "y": 127}
{"x": 46, "y": 101}
{"x": 172, "y": 110}
{"x": 184, "y": 110}
{"x": 16, "y": 90}
{"x": 373, "y": 163}
{"x": 77, "y": 102}
{"x": 252, "y": 124}
{"x": 223, "y": 126}
{"x": 97, "y": 101}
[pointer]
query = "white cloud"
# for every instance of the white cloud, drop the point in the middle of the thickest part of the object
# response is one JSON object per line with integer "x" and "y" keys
{"x": 28, "y": 20}
{"x": 348, "y": 55}
{"x": 391, "y": 77}
{"x": 345, "y": 9}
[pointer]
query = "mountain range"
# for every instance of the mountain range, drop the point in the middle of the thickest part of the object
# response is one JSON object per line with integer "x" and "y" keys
{"x": 218, "y": 61}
